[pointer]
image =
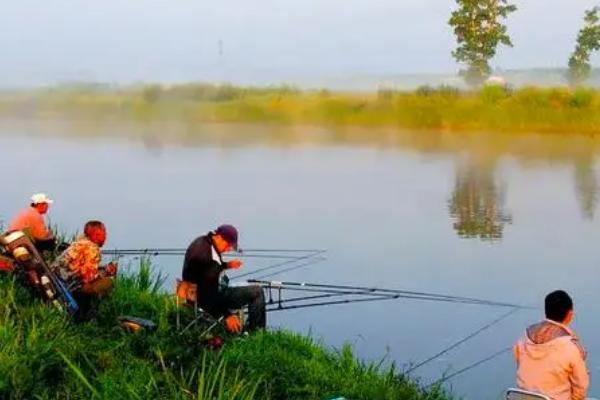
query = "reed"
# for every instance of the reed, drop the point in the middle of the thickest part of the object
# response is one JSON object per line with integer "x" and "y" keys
{"x": 493, "y": 108}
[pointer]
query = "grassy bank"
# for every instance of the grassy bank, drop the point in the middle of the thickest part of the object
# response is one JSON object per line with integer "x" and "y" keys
{"x": 490, "y": 109}
{"x": 45, "y": 356}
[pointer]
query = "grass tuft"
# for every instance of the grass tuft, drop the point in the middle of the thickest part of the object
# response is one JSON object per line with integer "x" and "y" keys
{"x": 43, "y": 356}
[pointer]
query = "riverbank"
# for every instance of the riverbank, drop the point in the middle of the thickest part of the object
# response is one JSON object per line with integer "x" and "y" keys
{"x": 494, "y": 108}
{"x": 45, "y": 356}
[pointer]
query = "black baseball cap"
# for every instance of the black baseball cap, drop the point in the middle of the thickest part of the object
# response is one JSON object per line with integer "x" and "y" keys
{"x": 230, "y": 234}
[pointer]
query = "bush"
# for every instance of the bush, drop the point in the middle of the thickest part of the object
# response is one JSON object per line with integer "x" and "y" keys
{"x": 492, "y": 94}
{"x": 581, "y": 98}
{"x": 425, "y": 91}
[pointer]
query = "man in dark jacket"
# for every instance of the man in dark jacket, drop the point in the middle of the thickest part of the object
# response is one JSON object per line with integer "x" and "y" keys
{"x": 203, "y": 265}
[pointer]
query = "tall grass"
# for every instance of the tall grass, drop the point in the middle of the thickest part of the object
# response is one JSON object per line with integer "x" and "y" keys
{"x": 44, "y": 355}
{"x": 493, "y": 108}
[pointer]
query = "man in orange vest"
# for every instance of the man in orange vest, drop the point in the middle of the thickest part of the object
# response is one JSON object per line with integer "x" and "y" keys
{"x": 31, "y": 221}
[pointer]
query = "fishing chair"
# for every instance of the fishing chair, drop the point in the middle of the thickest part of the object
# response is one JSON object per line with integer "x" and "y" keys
{"x": 518, "y": 394}
{"x": 186, "y": 295}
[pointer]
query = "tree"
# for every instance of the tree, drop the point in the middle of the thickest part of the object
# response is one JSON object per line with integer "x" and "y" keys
{"x": 478, "y": 28}
{"x": 588, "y": 40}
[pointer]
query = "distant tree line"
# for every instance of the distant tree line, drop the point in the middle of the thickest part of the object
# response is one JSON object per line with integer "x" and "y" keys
{"x": 479, "y": 29}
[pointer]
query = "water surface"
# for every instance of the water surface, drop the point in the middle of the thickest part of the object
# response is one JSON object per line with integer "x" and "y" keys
{"x": 502, "y": 217}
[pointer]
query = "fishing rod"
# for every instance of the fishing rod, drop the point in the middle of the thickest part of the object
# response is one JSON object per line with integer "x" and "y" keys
{"x": 280, "y": 303}
{"x": 167, "y": 253}
{"x": 159, "y": 251}
{"x": 327, "y": 294}
{"x": 335, "y": 293}
{"x": 281, "y": 264}
{"x": 293, "y": 256}
{"x": 328, "y": 303}
{"x": 266, "y": 256}
{"x": 367, "y": 290}
{"x": 321, "y": 294}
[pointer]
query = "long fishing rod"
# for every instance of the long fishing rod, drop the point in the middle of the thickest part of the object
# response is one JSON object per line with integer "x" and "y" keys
{"x": 281, "y": 264}
{"x": 321, "y": 293}
{"x": 292, "y": 257}
{"x": 461, "y": 341}
{"x": 280, "y": 301}
{"x": 328, "y": 294}
{"x": 432, "y": 296}
{"x": 158, "y": 251}
{"x": 243, "y": 255}
{"x": 336, "y": 293}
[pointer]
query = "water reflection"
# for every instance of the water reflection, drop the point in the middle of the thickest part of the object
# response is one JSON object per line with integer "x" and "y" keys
{"x": 477, "y": 202}
{"x": 586, "y": 185}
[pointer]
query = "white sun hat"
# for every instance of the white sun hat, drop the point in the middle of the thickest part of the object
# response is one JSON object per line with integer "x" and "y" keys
{"x": 41, "y": 198}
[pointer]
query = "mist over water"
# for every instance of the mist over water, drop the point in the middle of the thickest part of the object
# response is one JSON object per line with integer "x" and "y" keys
{"x": 339, "y": 43}
{"x": 501, "y": 217}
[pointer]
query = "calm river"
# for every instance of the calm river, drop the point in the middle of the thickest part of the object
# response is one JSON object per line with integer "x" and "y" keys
{"x": 503, "y": 217}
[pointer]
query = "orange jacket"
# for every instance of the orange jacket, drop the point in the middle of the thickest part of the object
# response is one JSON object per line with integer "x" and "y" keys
{"x": 551, "y": 361}
{"x": 31, "y": 221}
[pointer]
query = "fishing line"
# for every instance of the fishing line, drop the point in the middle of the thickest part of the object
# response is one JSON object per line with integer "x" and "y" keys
{"x": 280, "y": 264}
{"x": 295, "y": 267}
{"x": 463, "y": 340}
{"x": 469, "y": 367}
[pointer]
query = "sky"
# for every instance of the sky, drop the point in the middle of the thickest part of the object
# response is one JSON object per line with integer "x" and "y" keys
{"x": 124, "y": 41}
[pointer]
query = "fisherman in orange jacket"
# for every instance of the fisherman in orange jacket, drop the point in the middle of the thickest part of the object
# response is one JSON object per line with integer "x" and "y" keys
{"x": 550, "y": 358}
{"x": 31, "y": 221}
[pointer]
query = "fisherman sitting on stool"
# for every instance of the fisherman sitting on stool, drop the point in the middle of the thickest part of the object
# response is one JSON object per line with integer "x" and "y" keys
{"x": 550, "y": 359}
{"x": 31, "y": 221}
{"x": 79, "y": 266}
{"x": 203, "y": 265}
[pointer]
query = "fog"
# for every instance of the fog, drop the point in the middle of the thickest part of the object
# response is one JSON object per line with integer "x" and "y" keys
{"x": 257, "y": 42}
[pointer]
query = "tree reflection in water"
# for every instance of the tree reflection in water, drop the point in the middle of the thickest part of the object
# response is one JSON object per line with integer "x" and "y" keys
{"x": 477, "y": 202}
{"x": 586, "y": 185}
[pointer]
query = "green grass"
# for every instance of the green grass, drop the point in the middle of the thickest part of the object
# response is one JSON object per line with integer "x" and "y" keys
{"x": 43, "y": 355}
{"x": 491, "y": 109}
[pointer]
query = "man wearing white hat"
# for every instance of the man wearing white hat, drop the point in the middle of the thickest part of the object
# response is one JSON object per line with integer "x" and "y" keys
{"x": 31, "y": 221}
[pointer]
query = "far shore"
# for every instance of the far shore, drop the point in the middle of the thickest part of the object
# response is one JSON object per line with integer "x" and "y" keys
{"x": 490, "y": 109}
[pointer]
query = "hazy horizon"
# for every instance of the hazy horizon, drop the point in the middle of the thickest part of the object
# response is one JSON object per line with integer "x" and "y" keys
{"x": 274, "y": 41}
